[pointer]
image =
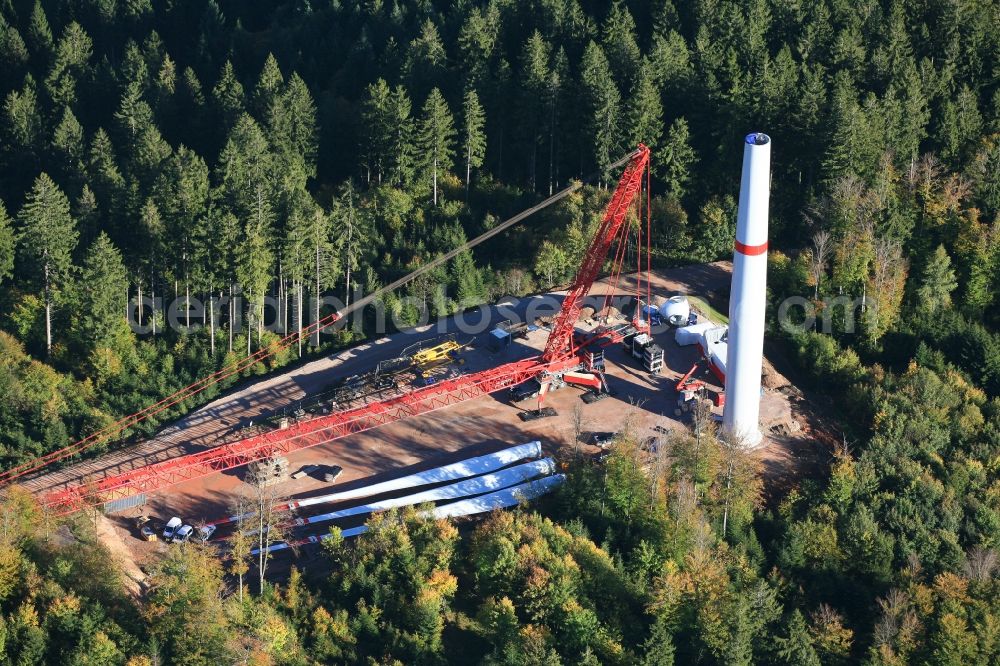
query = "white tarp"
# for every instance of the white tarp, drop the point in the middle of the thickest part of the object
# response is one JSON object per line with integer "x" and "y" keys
{"x": 475, "y": 486}
{"x": 720, "y": 350}
{"x": 691, "y": 335}
{"x": 715, "y": 335}
{"x": 715, "y": 346}
{"x": 498, "y": 500}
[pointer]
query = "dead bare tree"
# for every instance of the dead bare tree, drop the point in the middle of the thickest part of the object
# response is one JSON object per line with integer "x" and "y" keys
{"x": 888, "y": 272}
{"x": 980, "y": 564}
{"x": 579, "y": 423}
{"x": 732, "y": 448}
{"x": 704, "y": 425}
{"x": 267, "y": 523}
{"x": 658, "y": 470}
{"x": 822, "y": 247}
{"x": 239, "y": 545}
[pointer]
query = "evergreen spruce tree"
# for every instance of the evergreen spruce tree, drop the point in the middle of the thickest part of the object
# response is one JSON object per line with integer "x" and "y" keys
{"x": 658, "y": 650}
{"x": 39, "y": 33}
{"x": 99, "y": 319}
{"x": 164, "y": 94}
{"x": 292, "y": 124}
{"x": 105, "y": 177}
{"x": 988, "y": 178}
{"x": 960, "y": 126}
{"x": 665, "y": 17}
{"x": 620, "y": 45}
{"x": 312, "y": 258}
{"x": 13, "y": 52}
{"x": 22, "y": 123}
{"x": 795, "y": 648}
{"x": 72, "y": 54}
{"x": 468, "y": 280}
{"x": 254, "y": 260}
{"x": 436, "y": 139}
{"x": 357, "y": 237}
{"x": 182, "y": 193}
{"x": 166, "y": 79}
{"x": 473, "y": 135}
{"x": 87, "y": 214}
{"x": 425, "y": 59}
{"x": 192, "y": 88}
{"x": 134, "y": 67}
{"x": 133, "y": 115}
{"x": 645, "y": 117}
{"x": 268, "y": 88}
{"x": 377, "y": 138}
{"x": 67, "y": 140}
{"x": 676, "y": 158}
{"x": 974, "y": 259}
{"x": 245, "y": 169}
{"x": 476, "y": 43}
{"x": 602, "y": 102}
{"x": 7, "y": 244}
{"x": 556, "y": 111}
{"x": 400, "y": 157}
{"x": 228, "y": 96}
{"x": 670, "y": 60}
{"x": 936, "y": 282}
{"x": 47, "y": 236}
{"x": 534, "y": 91}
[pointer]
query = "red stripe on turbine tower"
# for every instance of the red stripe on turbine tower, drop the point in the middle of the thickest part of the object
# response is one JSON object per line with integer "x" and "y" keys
{"x": 751, "y": 250}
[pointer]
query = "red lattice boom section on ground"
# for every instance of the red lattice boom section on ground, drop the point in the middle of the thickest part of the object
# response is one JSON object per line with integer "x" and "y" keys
{"x": 296, "y": 437}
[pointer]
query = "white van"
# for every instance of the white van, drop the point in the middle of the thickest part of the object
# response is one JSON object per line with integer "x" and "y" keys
{"x": 171, "y": 528}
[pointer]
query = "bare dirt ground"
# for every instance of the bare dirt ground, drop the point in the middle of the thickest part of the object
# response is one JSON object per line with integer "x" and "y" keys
{"x": 477, "y": 426}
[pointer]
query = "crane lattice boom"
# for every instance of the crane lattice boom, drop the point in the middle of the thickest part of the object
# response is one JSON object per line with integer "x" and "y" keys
{"x": 560, "y": 342}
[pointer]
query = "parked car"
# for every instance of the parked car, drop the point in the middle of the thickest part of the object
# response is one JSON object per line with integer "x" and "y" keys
{"x": 183, "y": 534}
{"x": 170, "y": 529}
{"x": 333, "y": 473}
{"x": 147, "y": 532}
{"x": 204, "y": 533}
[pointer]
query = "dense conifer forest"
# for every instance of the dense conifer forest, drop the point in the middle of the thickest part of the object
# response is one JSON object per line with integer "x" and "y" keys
{"x": 241, "y": 159}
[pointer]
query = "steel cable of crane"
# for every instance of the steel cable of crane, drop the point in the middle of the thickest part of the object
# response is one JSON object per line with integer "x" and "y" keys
{"x": 616, "y": 271}
{"x": 649, "y": 239}
{"x": 202, "y": 384}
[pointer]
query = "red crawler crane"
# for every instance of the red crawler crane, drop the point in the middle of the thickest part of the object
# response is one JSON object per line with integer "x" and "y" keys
{"x": 560, "y": 343}
{"x": 559, "y": 356}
